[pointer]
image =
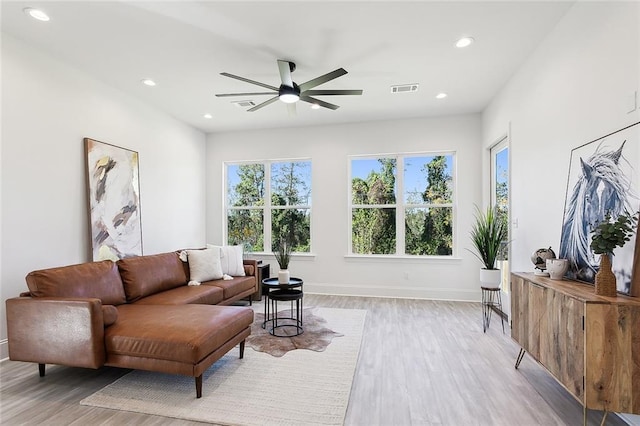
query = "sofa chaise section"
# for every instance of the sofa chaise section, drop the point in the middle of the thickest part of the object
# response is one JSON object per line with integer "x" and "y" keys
{"x": 185, "y": 339}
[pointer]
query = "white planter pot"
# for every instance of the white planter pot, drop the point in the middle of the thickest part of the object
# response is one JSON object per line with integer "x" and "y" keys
{"x": 283, "y": 276}
{"x": 490, "y": 277}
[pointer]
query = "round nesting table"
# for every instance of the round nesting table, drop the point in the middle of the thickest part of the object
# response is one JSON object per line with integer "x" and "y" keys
{"x": 275, "y": 292}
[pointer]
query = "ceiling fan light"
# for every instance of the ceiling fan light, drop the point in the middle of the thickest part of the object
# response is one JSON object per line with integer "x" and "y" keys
{"x": 289, "y": 98}
{"x": 289, "y": 95}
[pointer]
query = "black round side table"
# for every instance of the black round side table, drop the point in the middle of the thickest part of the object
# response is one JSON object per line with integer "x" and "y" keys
{"x": 276, "y": 296}
{"x": 274, "y": 292}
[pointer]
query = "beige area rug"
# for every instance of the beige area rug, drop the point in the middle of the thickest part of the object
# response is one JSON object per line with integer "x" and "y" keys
{"x": 301, "y": 387}
{"x": 316, "y": 337}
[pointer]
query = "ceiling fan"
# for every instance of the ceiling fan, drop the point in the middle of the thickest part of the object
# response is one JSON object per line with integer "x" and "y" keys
{"x": 289, "y": 92}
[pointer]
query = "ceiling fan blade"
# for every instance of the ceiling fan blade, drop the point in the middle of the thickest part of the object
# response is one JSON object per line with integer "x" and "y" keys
{"x": 291, "y": 108}
{"x": 285, "y": 72}
{"x": 331, "y": 92}
{"x": 264, "y": 104}
{"x": 226, "y": 95}
{"x": 319, "y": 102}
{"x": 246, "y": 80}
{"x": 322, "y": 79}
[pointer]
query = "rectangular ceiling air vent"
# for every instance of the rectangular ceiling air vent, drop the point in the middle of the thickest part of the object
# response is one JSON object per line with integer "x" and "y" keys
{"x": 404, "y": 88}
{"x": 244, "y": 104}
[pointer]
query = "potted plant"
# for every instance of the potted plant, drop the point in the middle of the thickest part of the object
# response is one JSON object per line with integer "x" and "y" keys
{"x": 488, "y": 236}
{"x": 283, "y": 256}
{"x": 607, "y": 236}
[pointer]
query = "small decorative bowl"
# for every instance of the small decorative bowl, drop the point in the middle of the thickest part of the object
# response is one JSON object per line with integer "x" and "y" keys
{"x": 557, "y": 268}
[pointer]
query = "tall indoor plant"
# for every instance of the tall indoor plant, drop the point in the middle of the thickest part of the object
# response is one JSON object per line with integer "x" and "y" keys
{"x": 283, "y": 256}
{"x": 488, "y": 237}
{"x": 607, "y": 236}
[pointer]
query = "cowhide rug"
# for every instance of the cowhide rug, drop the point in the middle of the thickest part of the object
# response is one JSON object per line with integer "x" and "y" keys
{"x": 316, "y": 336}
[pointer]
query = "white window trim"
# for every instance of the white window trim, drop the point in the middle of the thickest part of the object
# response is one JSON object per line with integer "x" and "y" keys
{"x": 267, "y": 207}
{"x": 400, "y": 207}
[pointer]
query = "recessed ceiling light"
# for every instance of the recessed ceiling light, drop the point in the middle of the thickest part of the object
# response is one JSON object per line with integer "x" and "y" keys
{"x": 315, "y": 106}
{"x": 148, "y": 82}
{"x": 464, "y": 42}
{"x": 36, "y": 14}
{"x": 208, "y": 116}
{"x": 441, "y": 95}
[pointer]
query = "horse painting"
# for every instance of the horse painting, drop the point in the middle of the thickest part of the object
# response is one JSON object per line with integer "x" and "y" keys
{"x": 603, "y": 185}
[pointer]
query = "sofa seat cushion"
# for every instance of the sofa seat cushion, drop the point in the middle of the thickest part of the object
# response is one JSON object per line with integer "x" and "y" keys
{"x": 181, "y": 333}
{"x": 146, "y": 275}
{"x": 206, "y": 295}
{"x": 99, "y": 280}
{"x": 233, "y": 287}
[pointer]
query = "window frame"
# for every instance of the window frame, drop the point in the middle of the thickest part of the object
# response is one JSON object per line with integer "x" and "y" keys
{"x": 267, "y": 207}
{"x": 400, "y": 205}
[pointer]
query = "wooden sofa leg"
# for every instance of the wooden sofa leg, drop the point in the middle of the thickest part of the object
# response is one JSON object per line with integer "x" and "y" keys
{"x": 242, "y": 349}
{"x": 199, "y": 386}
{"x": 41, "y": 369}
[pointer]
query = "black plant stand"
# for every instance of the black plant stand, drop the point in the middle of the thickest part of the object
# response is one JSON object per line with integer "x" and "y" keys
{"x": 491, "y": 299}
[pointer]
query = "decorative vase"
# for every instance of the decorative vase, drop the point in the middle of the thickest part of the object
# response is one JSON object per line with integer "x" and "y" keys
{"x": 490, "y": 277}
{"x": 283, "y": 276}
{"x": 605, "y": 278}
{"x": 557, "y": 268}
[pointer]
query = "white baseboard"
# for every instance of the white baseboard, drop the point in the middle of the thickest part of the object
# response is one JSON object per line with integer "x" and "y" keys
{"x": 396, "y": 292}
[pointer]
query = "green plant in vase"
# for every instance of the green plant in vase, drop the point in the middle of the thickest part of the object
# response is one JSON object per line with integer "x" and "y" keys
{"x": 607, "y": 236}
{"x": 283, "y": 256}
{"x": 488, "y": 236}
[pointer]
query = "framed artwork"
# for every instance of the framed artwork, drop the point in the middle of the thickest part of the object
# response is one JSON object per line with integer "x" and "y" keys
{"x": 114, "y": 201}
{"x": 603, "y": 178}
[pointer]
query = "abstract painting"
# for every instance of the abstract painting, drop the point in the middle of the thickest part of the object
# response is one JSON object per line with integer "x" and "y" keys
{"x": 603, "y": 178}
{"x": 114, "y": 201}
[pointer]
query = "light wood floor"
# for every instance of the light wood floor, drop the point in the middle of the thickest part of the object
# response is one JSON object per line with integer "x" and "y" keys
{"x": 421, "y": 363}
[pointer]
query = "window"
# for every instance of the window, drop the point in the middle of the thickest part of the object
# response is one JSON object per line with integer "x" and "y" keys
{"x": 407, "y": 213}
{"x": 267, "y": 202}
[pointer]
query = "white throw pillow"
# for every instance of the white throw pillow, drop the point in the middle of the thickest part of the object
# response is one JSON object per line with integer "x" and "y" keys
{"x": 204, "y": 265}
{"x": 231, "y": 259}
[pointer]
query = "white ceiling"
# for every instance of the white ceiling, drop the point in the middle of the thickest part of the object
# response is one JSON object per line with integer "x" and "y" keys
{"x": 185, "y": 45}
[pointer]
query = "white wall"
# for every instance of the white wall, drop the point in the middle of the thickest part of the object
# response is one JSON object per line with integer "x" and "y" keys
{"x": 328, "y": 147}
{"x": 48, "y": 108}
{"x": 572, "y": 90}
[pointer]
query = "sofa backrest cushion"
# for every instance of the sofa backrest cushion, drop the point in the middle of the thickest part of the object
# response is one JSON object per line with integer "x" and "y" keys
{"x": 99, "y": 280}
{"x": 231, "y": 259}
{"x": 146, "y": 275}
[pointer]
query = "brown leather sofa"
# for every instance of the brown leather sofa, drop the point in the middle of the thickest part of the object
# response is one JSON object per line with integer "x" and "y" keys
{"x": 137, "y": 313}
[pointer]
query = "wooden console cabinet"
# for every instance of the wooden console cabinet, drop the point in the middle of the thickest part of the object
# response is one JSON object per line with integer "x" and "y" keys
{"x": 589, "y": 343}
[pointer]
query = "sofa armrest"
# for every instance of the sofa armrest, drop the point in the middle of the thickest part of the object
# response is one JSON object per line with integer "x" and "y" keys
{"x": 56, "y": 330}
{"x": 251, "y": 270}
